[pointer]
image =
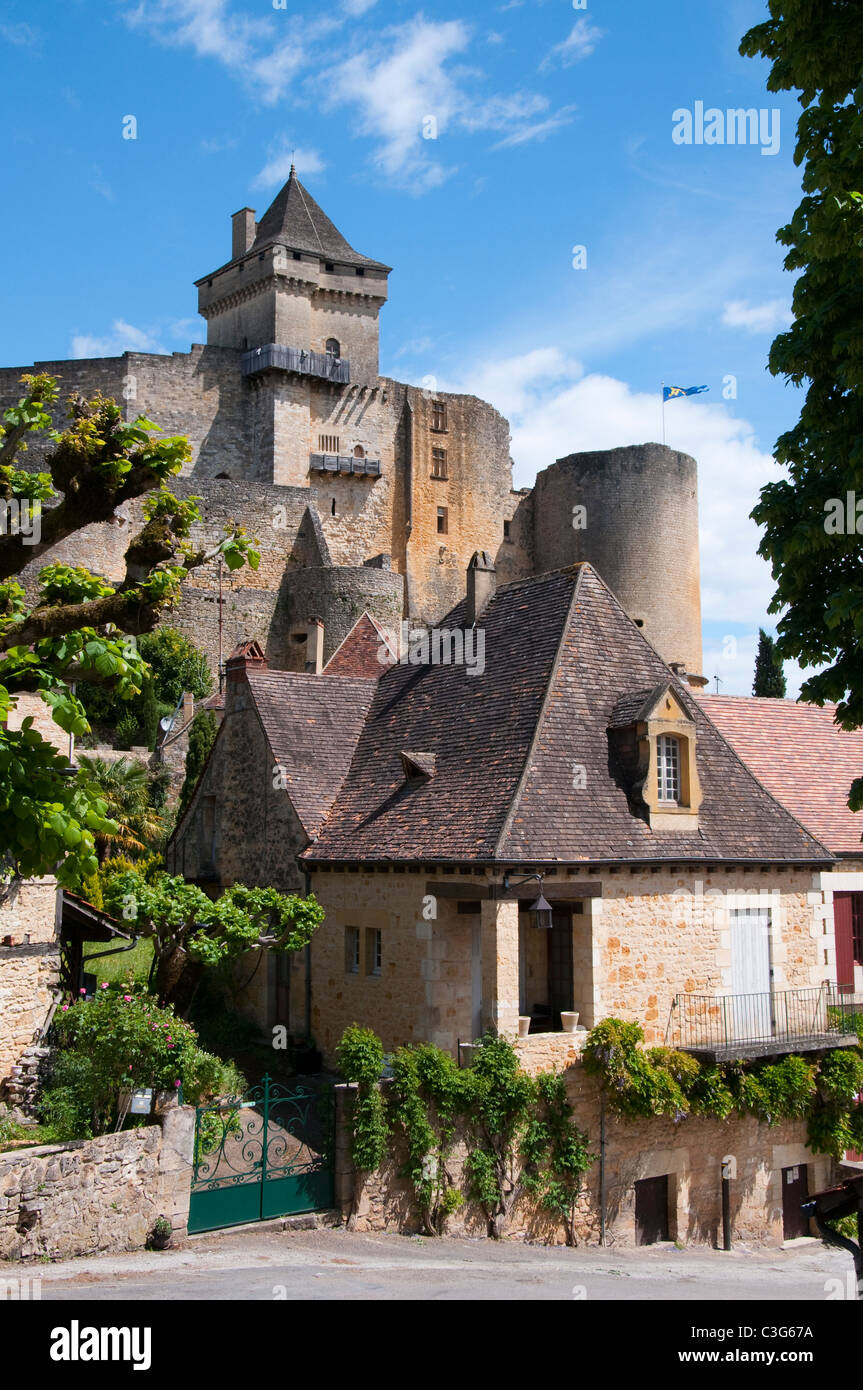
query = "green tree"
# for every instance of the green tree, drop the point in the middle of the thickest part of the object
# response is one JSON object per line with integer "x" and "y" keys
{"x": 202, "y": 736}
{"x": 176, "y": 663}
{"x": 77, "y": 631}
{"x": 816, "y": 49}
{"x": 769, "y": 676}
{"x": 191, "y": 931}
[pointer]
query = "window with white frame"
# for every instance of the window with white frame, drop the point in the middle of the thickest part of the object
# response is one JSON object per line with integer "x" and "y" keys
{"x": 668, "y": 768}
{"x": 373, "y": 951}
{"x": 352, "y": 950}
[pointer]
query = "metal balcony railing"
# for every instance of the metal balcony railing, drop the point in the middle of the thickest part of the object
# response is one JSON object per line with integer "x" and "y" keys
{"x": 288, "y": 359}
{"x": 345, "y": 463}
{"x": 757, "y": 1025}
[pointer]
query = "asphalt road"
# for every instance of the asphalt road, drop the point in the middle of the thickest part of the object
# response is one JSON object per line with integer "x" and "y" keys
{"x": 267, "y": 1263}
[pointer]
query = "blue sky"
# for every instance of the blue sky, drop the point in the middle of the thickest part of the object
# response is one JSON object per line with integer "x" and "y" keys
{"x": 553, "y": 130}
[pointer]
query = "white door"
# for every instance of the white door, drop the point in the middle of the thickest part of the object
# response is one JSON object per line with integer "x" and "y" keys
{"x": 750, "y": 972}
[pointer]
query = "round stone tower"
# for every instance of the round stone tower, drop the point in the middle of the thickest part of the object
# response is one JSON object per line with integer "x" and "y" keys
{"x": 633, "y": 514}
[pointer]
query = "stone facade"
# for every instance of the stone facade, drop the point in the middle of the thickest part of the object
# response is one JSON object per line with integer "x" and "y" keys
{"x": 93, "y": 1195}
{"x": 29, "y": 935}
{"x": 688, "y": 1154}
{"x": 29, "y": 968}
{"x": 640, "y": 938}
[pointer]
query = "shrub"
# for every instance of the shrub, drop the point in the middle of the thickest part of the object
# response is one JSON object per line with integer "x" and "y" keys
{"x": 121, "y": 1040}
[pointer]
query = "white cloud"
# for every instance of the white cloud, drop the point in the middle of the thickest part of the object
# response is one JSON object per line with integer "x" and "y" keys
{"x": 397, "y": 83}
{"x": 539, "y": 130}
{"x": 394, "y": 91}
{"x": 124, "y": 337}
{"x": 579, "y": 43}
{"x": 279, "y": 161}
{"x": 555, "y": 409}
{"x": 21, "y": 35}
{"x": 757, "y": 318}
{"x": 265, "y": 53}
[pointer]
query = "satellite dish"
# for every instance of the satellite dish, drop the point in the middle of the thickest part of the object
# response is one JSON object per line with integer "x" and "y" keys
{"x": 167, "y": 724}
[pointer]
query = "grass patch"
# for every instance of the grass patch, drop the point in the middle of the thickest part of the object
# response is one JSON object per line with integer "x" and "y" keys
{"x": 114, "y": 969}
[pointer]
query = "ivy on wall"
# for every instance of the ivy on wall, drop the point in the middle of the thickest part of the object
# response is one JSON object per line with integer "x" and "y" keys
{"x": 519, "y": 1131}
{"x": 662, "y": 1081}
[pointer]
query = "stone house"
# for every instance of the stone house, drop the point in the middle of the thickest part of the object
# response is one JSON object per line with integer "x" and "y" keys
{"x": 576, "y": 756}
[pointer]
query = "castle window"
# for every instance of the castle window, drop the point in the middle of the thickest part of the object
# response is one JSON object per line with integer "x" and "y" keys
{"x": 442, "y": 518}
{"x": 334, "y": 347}
{"x": 439, "y": 463}
{"x": 359, "y": 451}
{"x": 360, "y": 270}
{"x": 297, "y": 256}
{"x": 328, "y": 266}
{"x": 506, "y": 531}
{"x": 328, "y": 443}
{"x": 438, "y": 415}
{"x": 352, "y": 950}
{"x": 333, "y": 507}
{"x": 374, "y": 953}
{"x": 668, "y": 768}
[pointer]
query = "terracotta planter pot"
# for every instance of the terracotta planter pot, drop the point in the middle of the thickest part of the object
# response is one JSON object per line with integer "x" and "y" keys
{"x": 569, "y": 1022}
{"x": 523, "y": 1025}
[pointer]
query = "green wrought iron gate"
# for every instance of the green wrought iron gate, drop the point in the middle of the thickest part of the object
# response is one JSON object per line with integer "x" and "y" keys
{"x": 266, "y": 1153}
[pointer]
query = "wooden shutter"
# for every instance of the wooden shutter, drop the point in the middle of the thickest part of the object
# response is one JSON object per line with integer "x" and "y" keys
{"x": 843, "y": 922}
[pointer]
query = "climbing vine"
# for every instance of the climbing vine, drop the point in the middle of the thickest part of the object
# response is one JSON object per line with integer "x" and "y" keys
{"x": 641, "y": 1082}
{"x": 519, "y": 1131}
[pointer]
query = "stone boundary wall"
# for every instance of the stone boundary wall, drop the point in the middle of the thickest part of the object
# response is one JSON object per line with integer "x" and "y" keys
{"x": 93, "y": 1195}
{"x": 689, "y": 1153}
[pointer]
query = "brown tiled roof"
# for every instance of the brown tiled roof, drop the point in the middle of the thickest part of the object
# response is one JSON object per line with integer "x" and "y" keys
{"x": 800, "y": 755}
{"x": 295, "y": 219}
{"x": 560, "y": 656}
{"x": 359, "y": 654}
{"x": 312, "y": 726}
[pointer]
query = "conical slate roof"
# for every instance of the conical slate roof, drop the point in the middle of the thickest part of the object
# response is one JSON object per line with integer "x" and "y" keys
{"x": 294, "y": 220}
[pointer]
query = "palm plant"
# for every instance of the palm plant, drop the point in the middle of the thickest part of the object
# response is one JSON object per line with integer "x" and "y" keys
{"x": 125, "y": 786}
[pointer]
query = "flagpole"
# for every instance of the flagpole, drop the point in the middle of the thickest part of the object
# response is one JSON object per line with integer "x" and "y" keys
{"x": 662, "y": 394}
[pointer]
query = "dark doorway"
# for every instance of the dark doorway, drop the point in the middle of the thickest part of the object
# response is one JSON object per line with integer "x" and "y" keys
{"x": 560, "y": 991}
{"x": 795, "y": 1189}
{"x": 651, "y": 1210}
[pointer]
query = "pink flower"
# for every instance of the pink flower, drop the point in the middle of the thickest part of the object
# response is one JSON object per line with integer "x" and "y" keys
{"x": 82, "y": 991}
{"x": 128, "y": 998}
{"x": 65, "y": 1008}
{"x": 176, "y": 1083}
{"x": 104, "y": 984}
{"x": 130, "y": 1066}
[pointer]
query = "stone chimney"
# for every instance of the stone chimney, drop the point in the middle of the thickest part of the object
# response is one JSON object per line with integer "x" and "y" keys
{"x": 246, "y": 656}
{"x": 244, "y": 230}
{"x": 315, "y": 647}
{"x": 481, "y": 585}
{"x": 188, "y": 707}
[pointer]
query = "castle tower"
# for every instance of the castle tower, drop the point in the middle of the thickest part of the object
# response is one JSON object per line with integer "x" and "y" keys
{"x": 294, "y": 281}
{"x": 633, "y": 514}
{"x": 301, "y": 306}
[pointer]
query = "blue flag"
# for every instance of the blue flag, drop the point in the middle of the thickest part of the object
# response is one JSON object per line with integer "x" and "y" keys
{"x": 669, "y": 392}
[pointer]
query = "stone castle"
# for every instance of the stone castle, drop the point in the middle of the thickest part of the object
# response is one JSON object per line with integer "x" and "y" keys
{"x": 367, "y": 494}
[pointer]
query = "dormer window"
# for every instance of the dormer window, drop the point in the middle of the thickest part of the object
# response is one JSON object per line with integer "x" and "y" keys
{"x": 668, "y": 769}
{"x": 652, "y": 737}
